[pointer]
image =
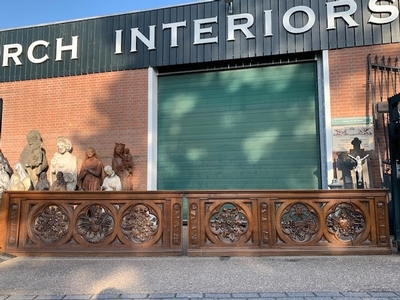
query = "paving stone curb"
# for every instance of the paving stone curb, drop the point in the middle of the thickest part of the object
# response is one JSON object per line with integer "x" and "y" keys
{"x": 381, "y": 295}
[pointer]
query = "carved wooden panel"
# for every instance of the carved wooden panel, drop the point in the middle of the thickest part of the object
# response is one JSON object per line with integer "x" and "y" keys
{"x": 93, "y": 222}
{"x": 221, "y": 223}
{"x": 288, "y": 222}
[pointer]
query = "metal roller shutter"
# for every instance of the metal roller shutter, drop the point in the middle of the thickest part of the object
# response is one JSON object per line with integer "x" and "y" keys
{"x": 254, "y": 128}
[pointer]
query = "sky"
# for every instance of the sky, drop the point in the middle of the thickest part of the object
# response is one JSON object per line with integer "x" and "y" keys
{"x": 21, "y": 13}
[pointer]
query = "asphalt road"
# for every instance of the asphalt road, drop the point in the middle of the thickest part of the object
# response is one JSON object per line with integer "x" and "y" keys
{"x": 152, "y": 275}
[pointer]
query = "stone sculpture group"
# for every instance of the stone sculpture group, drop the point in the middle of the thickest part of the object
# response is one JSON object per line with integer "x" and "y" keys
{"x": 30, "y": 172}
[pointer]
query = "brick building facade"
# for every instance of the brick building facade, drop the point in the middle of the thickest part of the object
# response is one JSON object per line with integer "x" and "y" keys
{"x": 110, "y": 101}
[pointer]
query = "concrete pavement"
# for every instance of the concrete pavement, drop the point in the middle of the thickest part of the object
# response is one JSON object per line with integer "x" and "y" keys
{"x": 302, "y": 277}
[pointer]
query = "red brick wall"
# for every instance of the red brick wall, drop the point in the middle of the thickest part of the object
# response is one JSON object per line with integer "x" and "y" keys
{"x": 349, "y": 86}
{"x": 94, "y": 110}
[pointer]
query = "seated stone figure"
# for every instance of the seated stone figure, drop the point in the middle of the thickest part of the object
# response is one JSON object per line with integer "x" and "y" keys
{"x": 6, "y": 166}
{"x": 23, "y": 176}
{"x": 4, "y": 180}
{"x": 59, "y": 184}
{"x": 17, "y": 184}
{"x": 69, "y": 179}
{"x": 33, "y": 157}
{"x": 63, "y": 161}
{"x": 112, "y": 182}
{"x": 43, "y": 184}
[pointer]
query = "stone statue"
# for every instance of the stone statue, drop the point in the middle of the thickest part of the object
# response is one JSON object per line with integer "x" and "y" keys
{"x": 63, "y": 161}
{"x": 6, "y": 165}
{"x": 120, "y": 168}
{"x": 128, "y": 160}
{"x": 358, "y": 168}
{"x": 17, "y": 184}
{"x": 92, "y": 174}
{"x": 33, "y": 157}
{"x": 43, "y": 184}
{"x": 70, "y": 181}
{"x": 59, "y": 184}
{"x": 112, "y": 182}
{"x": 4, "y": 180}
{"x": 23, "y": 176}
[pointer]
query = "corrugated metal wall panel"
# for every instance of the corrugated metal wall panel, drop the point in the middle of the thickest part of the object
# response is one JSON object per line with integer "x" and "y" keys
{"x": 97, "y": 37}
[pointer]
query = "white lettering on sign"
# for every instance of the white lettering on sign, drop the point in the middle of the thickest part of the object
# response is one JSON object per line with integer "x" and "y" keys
{"x": 392, "y": 10}
{"x": 268, "y": 23}
{"x": 310, "y": 23}
{"x": 12, "y": 51}
{"x": 200, "y": 30}
{"x": 345, "y": 15}
{"x": 149, "y": 42}
{"x": 15, "y": 51}
{"x": 174, "y": 31}
{"x": 203, "y": 29}
{"x": 243, "y": 27}
{"x": 32, "y": 47}
{"x": 118, "y": 41}
{"x": 73, "y": 48}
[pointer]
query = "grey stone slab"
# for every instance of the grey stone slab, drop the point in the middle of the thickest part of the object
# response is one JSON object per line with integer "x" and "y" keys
{"x": 245, "y": 295}
{"x": 105, "y": 296}
{"x": 217, "y": 295}
{"x": 77, "y": 297}
{"x": 351, "y": 298}
{"x": 356, "y": 294}
{"x": 134, "y": 296}
{"x": 273, "y": 295}
{"x": 161, "y": 296}
{"x": 383, "y": 294}
{"x": 328, "y": 294}
{"x": 21, "y": 297}
{"x": 189, "y": 295}
{"x": 300, "y": 294}
{"x": 49, "y": 297}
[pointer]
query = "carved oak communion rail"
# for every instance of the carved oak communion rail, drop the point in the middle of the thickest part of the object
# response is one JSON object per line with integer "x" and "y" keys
{"x": 220, "y": 223}
{"x": 82, "y": 223}
{"x": 320, "y": 222}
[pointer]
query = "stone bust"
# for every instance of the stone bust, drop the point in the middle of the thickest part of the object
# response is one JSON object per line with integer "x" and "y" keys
{"x": 112, "y": 182}
{"x": 63, "y": 161}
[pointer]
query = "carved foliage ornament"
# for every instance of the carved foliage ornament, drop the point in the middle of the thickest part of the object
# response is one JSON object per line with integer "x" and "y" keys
{"x": 51, "y": 224}
{"x": 229, "y": 223}
{"x": 300, "y": 223}
{"x": 95, "y": 224}
{"x": 139, "y": 224}
{"x": 345, "y": 222}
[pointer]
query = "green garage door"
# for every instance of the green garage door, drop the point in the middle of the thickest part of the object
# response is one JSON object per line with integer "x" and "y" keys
{"x": 254, "y": 128}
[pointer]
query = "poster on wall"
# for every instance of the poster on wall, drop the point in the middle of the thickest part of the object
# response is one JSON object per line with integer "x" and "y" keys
{"x": 345, "y": 130}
